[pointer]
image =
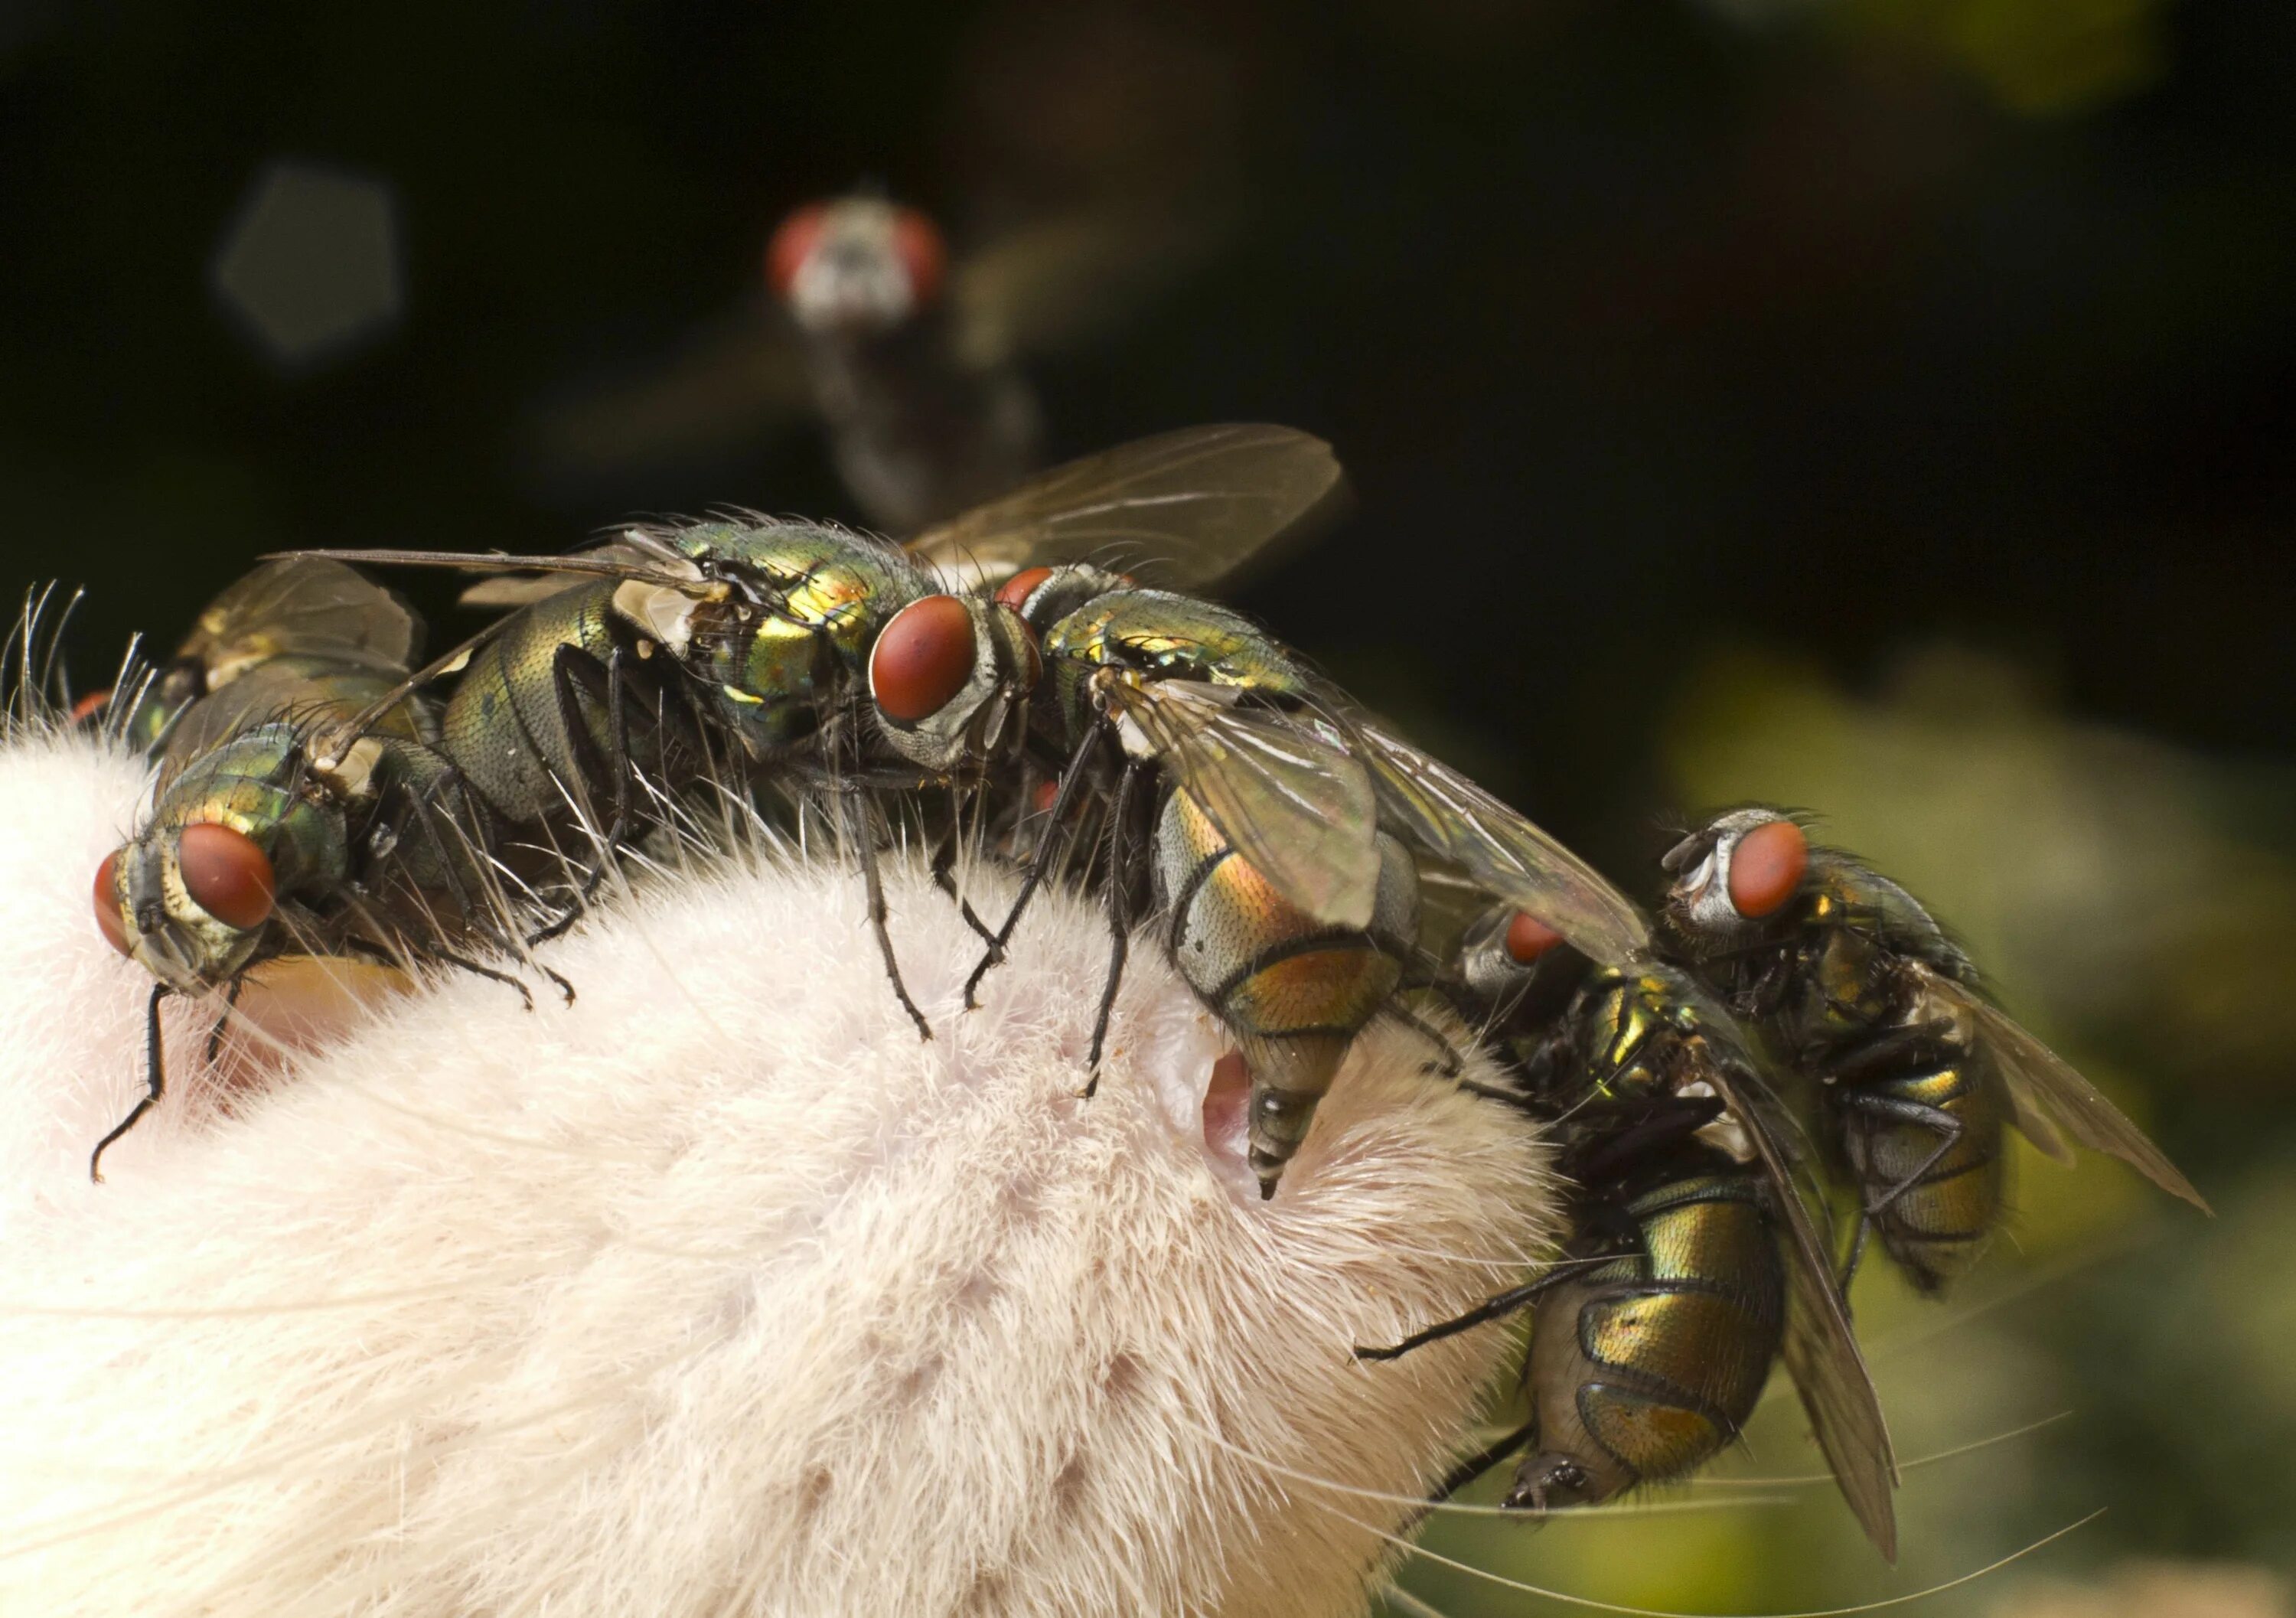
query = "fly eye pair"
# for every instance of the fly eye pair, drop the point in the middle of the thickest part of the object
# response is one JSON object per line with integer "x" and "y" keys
{"x": 1765, "y": 866}
{"x": 914, "y": 241}
{"x": 223, "y": 871}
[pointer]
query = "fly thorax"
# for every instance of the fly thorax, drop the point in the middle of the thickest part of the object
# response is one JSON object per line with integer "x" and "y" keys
{"x": 350, "y": 774}
{"x": 662, "y": 614}
{"x": 1047, "y": 597}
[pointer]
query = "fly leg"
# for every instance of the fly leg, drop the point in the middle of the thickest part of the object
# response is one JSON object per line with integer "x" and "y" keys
{"x": 155, "y": 1082}
{"x": 944, "y": 867}
{"x": 1857, "y": 1255}
{"x": 1468, "y": 1470}
{"x": 1120, "y": 917}
{"x": 570, "y": 695}
{"x": 1452, "y": 1061}
{"x": 1072, "y": 779}
{"x": 856, "y": 801}
{"x": 1494, "y": 1308}
{"x": 465, "y": 963}
{"x": 1920, "y": 1114}
{"x": 223, "y": 1019}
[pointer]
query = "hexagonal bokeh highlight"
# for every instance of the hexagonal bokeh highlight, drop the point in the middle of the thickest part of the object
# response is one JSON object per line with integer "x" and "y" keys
{"x": 310, "y": 265}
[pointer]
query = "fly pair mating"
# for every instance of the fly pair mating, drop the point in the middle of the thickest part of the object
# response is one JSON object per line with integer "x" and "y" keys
{"x": 1276, "y": 831}
{"x": 843, "y": 666}
{"x": 1692, "y": 1262}
{"x": 266, "y": 835}
{"x": 1912, "y": 1075}
{"x": 1694, "y": 1259}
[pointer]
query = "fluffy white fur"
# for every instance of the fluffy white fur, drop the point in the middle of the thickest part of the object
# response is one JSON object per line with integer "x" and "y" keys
{"x": 715, "y": 1292}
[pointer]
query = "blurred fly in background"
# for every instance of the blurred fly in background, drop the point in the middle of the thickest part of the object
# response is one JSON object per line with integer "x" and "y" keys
{"x": 1874, "y": 409}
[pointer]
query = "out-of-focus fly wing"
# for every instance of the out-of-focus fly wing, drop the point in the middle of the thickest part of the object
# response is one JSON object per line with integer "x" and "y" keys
{"x": 301, "y": 606}
{"x": 1179, "y": 510}
{"x": 1298, "y": 808}
{"x": 2048, "y": 1096}
{"x": 729, "y": 383}
{"x": 1821, "y": 1350}
{"x": 1058, "y": 285}
{"x": 1450, "y": 815}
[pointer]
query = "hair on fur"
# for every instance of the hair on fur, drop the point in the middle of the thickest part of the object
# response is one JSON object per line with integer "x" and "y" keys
{"x": 715, "y": 1290}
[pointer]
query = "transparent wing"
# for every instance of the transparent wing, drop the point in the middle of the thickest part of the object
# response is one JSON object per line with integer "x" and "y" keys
{"x": 1821, "y": 1350}
{"x": 302, "y": 606}
{"x": 731, "y": 381}
{"x": 1058, "y": 284}
{"x": 1450, "y": 815}
{"x": 510, "y": 590}
{"x": 1298, "y": 808}
{"x": 268, "y": 691}
{"x": 1176, "y": 511}
{"x": 624, "y": 559}
{"x": 2048, "y": 1096}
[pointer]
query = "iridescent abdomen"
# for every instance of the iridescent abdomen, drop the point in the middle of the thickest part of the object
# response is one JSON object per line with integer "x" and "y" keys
{"x": 1292, "y": 990}
{"x": 1941, "y": 1215}
{"x": 506, "y": 728}
{"x": 1648, "y": 1366}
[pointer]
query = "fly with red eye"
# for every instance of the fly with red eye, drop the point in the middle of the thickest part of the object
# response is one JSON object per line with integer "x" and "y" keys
{"x": 1691, "y": 1246}
{"x": 228, "y": 879}
{"x": 859, "y": 265}
{"x": 303, "y": 802}
{"x": 1915, "y": 1072}
{"x": 845, "y": 667}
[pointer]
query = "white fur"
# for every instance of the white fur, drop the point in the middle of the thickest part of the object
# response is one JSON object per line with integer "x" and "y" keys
{"x": 714, "y": 1293}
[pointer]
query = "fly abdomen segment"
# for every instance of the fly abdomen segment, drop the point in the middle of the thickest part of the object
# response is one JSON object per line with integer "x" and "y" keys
{"x": 1927, "y": 1145}
{"x": 1648, "y": 1367}
{"x": 1294, "y": 991}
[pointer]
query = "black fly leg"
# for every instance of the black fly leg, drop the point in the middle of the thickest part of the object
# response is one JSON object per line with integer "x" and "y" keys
{"x": 223, "y": 1020}
{"x": 1920, "y": 1114}
{"x": 1453, "y": 1062}
{"x": 1856, "y": 1254}
{"x": 1481, "y": 1461}
{"x": 944, "y": 866}
{"x": 857, "y": 817}
{"x": 1071, "y": 778}
{"x": 155, "y": 1082}
{"x": 570, "y": 694}
{"x": 1496, "y": 1308}
{"x": 1119, "y": 917}
{"x": 464, "y": 963}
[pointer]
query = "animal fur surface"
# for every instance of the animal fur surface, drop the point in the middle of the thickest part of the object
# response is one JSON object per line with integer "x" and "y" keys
{"x": 715, "y": 1291}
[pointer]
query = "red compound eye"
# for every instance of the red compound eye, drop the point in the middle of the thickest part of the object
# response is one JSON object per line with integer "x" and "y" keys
{"x": 226, "y": 875}
{"x": 916, "y": 242}
{"x": 107, "y": 903}
{"x": 922, "y": 659}
{"x": 1766, "y": 868}
{"x": 1015, "y": 591}
{"x": 792, "y": 244}
{"x": 1528, "y": 938}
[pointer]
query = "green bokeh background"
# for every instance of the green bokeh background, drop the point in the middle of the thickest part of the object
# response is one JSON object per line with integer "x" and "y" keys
{"x": 1880, "y": 405}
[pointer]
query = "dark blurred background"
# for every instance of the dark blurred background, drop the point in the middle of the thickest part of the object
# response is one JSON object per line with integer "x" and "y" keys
{"x": 1882, "y": 406}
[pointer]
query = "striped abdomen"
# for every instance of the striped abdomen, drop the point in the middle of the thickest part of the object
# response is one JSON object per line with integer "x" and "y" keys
{"x": 1647, "y": 1366}
{"x": 1934, "y": 1218}
{"x": 1292, "y": 990}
